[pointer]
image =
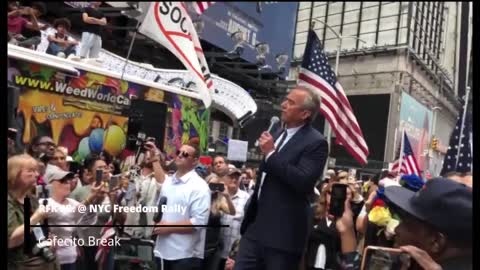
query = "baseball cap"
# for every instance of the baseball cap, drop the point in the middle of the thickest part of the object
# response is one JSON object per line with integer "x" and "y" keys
{"x": 53, "y": 172}
{"x": 330, "y": 173}
{"x": 232, "y": 171}
{"x": 442, "y": 203}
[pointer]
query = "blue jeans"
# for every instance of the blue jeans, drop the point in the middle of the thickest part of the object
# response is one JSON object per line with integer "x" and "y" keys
{"x": 54, "y": 49}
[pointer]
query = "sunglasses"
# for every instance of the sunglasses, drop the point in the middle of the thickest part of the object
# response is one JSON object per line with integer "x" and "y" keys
{"x": 183, "y": 154}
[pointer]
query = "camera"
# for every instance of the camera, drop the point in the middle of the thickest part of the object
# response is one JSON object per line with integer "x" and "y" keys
{"x": 42, "y": 248}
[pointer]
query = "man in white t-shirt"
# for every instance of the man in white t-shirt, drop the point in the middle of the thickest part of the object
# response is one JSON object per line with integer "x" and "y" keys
{"x": 188, "y": 201}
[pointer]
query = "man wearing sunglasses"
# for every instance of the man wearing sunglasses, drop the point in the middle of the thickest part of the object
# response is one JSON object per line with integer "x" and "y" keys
{"x": 276, "y": 222}
{"x": 182, "y": 248}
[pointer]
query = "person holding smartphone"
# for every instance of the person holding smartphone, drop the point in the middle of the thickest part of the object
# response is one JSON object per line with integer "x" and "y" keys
{"x": 93, "y": 165}
{"x": 324, "y": 241}
{"x": 147, "y": 187}
{"x": 432, "y": 241}
{"x": 221, "y": 204}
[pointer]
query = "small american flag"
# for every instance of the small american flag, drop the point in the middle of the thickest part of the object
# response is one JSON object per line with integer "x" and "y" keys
{"x": 200, "y": 7}
{"x": 407, "y": 159}
{"x": 317, "y": 74}
{"x": 107, "y": 232}
{"x": 459, "y": 153}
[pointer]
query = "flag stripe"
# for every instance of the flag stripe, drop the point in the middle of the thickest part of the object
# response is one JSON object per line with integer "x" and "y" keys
{"x": 317, "y": 74}
{"x": 408, "y": 164}
{"x": 200, "y": 7}
{"x": 328, "y": 96}
{"x": 327, "y": 89}
{"x": 354, "y": 151}
{"x": 345, "y": 133}
{"x": 339, "y": 128}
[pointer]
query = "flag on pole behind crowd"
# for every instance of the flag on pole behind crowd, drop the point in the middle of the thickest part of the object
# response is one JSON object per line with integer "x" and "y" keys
{"x": 407, "y": 163}
{"x": 169, "y": 24}
{"x": 459, "y": 153}
{"x": 317, "y": 74}
{"x": 200, "y": 7}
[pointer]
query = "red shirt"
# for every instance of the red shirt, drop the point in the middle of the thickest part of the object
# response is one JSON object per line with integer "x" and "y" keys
{"x": 16, "y": 24}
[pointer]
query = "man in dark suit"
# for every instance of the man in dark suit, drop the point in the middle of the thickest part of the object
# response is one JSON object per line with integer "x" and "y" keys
{"x": 275, "y": 226}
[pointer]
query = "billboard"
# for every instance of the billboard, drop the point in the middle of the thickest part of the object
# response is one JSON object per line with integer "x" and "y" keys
{"x": 270, "y": 22}
{"x": 88, "y": 113}
{"x": 416, "y": 120}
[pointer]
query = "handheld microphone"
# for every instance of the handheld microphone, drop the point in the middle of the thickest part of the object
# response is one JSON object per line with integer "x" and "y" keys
{"x": 274, "y": 120}
{"x": 158, "y": 217}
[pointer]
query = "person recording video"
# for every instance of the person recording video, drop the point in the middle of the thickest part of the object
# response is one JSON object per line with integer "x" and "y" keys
{"x": 182, "y": 247}
{"x": 147, "y": 189}
{"x": 96, "y": 170}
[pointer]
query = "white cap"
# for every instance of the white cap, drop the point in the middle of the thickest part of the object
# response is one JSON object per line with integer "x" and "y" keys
{"x": 53, "y": 172}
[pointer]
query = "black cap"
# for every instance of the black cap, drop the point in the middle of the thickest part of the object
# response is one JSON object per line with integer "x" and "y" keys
{"x": 442, "y": 203}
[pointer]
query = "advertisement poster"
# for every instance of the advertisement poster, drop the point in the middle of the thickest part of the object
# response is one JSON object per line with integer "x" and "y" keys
{"x": 88, "y": 113}
{"x": 259, "y": 21}
{"x": 416, "y": 120}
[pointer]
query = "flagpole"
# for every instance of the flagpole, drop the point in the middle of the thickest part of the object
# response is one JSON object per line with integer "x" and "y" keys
{"x": 462, "y": 126}
{"x": 340, "y": 37}
{"x": 130, "y": 49}
{"x": 402, "y": 146}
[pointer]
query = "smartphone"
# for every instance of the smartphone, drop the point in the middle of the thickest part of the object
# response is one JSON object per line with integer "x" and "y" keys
{"x": 385, "y": 258}
{"x": 216, "y": 187}
{"x": 337, "y": 199}
{"x": 98, "y": 177}
{"x": 114, "y": 180}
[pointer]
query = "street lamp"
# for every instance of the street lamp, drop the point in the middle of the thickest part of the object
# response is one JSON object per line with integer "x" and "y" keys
{"x": 281, "y": 59}
{"x": 262, "y": 50}
{"x": 239, "y": 38}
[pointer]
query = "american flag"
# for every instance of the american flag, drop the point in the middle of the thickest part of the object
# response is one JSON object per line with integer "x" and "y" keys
{"x": 317, "y": 74}
{"x": 459, "y": 153}
{"x": 108, "y": 232}
{"x": 200, "y": 7}
{"x": 407, "y": 159}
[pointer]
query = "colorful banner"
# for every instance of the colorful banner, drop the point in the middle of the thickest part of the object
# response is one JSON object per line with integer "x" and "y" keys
{"x": 88, "y": 113}
{"x": 416, "y": 120}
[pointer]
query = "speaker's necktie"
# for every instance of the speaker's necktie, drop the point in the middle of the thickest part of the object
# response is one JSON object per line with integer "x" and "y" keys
{"x": 282, "y": 140}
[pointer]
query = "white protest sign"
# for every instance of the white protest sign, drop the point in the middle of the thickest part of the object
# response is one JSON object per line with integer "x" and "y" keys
{"x": 237, "y": 150}
{"x": 169, "y": 24}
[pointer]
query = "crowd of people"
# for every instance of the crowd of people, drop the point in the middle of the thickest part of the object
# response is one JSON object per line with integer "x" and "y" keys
{"x": 25, "y": 30}
{"x": 45, "y": 172}
{"x": 218, "y": 216}
{"x": 207, "y": 207}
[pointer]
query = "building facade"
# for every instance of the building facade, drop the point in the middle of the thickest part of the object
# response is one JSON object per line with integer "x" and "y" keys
{"x": 402, "y": 66}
